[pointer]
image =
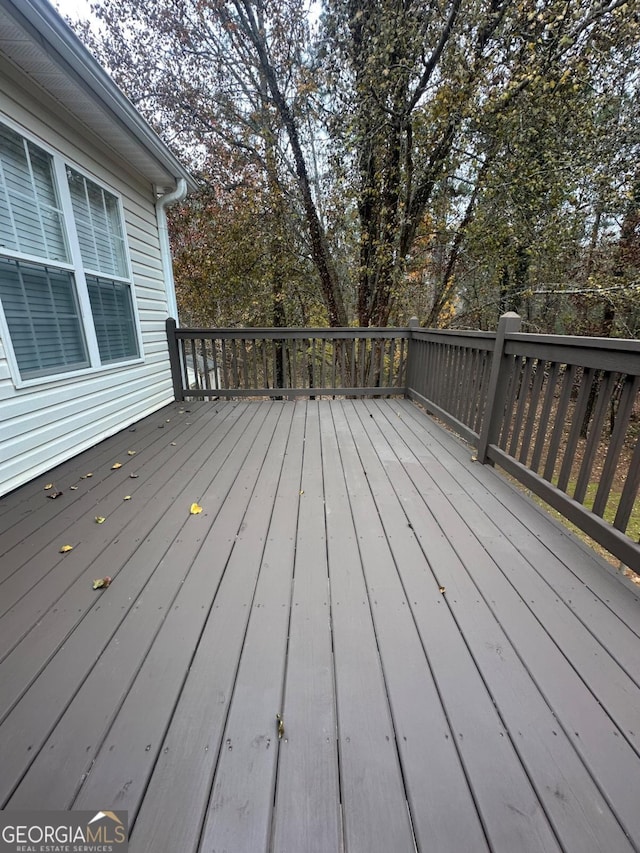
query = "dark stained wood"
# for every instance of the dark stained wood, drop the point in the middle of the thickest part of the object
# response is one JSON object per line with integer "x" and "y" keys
{"x": 374, "y": 803}
{"x": 441, "y": 804}
{"x": 509, "y": 587}
{"x": 307, "y": 814}
{"x": 455, "y": 671}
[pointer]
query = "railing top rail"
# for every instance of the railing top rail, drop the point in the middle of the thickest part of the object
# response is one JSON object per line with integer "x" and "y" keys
{"x": 423, "y": 333}
{"x": 616, "y": 354}
{"x": 340, "y": 333}
{"x": 581, "y": 342}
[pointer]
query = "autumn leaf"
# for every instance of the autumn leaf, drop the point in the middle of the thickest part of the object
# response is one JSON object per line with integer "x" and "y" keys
{"x": 196, "y": 509}
{"x": 116, "y": 466}
{"x": 134, "y": 476}
{"x": 100, "y": 519}
{"x": 126, "y": 498}
{"x": 73, "y": 488}
{"x": 66, "y": 548}
{"x": 442, "y": 589}
{"x": 101, "y": 583}
{"x": 131, "y": 452}
{"x": 48, "y": 486}
{"x": 54, "y": 495}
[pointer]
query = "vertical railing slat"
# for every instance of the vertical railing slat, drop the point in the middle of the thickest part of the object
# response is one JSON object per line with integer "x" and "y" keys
{"x": 620, "y": 425}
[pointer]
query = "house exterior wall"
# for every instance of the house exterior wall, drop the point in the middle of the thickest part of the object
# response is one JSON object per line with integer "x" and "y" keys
{"x": 46, "y": 422}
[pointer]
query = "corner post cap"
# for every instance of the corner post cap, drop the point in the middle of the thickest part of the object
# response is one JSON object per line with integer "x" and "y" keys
{"x": 414, "y": 322}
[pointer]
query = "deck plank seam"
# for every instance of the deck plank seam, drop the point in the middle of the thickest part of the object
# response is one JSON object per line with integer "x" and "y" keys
{"x": 502, "y": 491}
{"x": 568, "y": 730}
{"x": 167, "y": 610}
{"x": 89, "y": 672}
{"x": 75, "y": 579}
{"x": 571, "y": 607}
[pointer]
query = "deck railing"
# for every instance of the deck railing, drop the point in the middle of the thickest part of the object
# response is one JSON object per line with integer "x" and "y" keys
{"x": 560, "y": 414}
{"x": 288, "y": 362}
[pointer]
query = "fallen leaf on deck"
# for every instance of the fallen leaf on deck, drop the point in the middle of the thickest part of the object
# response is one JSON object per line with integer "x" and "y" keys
{"x": 84, "y": 476}
{"x": 100, "y": 519}
{"x": 474, "y": 458}
{"x": 101, "y": 583}
{"x": 442, "y": 589}
{"x": 73, "y": 488}
{"x": 66, "y": 548}
{"x": 173, "y": 444}
{"x": 195, "y": 509}
{"x": 131, "y": 452}
{"x": 133, "y": 476}
{"x": 116, "y": 465}
{"x": 54, "y": 495}
{"x": 48, "y": 486}
{"x": 302, "y": 491}
{"x": 126, "y": 498}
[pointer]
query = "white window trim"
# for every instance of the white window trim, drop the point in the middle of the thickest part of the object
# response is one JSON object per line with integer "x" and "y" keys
{"x": 60, "y": 163}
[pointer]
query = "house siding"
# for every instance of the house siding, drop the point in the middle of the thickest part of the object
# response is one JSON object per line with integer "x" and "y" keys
{"x": 45, "y": 424}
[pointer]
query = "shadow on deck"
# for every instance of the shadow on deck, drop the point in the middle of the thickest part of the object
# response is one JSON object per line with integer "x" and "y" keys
{"x": 455, "y": 672}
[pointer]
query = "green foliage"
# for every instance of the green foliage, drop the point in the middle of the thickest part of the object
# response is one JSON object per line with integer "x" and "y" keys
{"x": 453, "y": 160}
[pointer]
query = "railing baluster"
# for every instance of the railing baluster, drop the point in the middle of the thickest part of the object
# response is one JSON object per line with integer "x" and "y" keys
{"x": 534, "y": 399}
{"x": 254, "y": 347}
{"x": 620, "y": 425}
{"x": 559, "y": 422}
{"x": 604, "y": 388}
{"x": 205, "y": 363}
{"x": 547, "y": 403}
{"x": 579, "y": 412}
{"x": 629, "y": 492}
{"x": 225, "y": 365}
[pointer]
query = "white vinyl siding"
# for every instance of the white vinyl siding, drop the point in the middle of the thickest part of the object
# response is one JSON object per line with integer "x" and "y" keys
{"x": 46, "y": 420}
{"x": 49, "y": 333}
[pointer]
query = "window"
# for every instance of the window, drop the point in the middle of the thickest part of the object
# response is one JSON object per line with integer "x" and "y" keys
{"x": 113, "y": 318}
{"x": 102, "y": 248}
{"x": 65, "y": 285}
{"x": 43, "y": 317}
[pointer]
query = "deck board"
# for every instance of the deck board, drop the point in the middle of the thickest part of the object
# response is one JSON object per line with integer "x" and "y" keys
{"x": 570, "y": 797}
{"x": 374, "y": 803}
{"x": 455, "y": 671}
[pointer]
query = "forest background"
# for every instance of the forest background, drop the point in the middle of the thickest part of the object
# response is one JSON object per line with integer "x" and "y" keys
{"x": 361, "y": 162}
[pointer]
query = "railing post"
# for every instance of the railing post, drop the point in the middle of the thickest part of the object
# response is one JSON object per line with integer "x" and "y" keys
{"x": 174, "y": 360}
{"x": 498, "y": 386}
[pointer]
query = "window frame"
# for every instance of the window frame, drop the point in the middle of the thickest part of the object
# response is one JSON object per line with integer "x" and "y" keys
{"x": 75, "y": 266}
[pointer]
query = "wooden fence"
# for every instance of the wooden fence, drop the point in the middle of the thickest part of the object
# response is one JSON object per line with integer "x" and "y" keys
{"x": 560, "y": 414}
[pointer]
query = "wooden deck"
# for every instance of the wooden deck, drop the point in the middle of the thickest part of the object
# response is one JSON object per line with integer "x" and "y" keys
{"x": 454, "y": 671}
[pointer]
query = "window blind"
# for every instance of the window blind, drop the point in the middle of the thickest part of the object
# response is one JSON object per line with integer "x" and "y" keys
{"x": 113, "y": 319}
{"x": 31, "y": 220}
{"x": 43, "y": 316}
